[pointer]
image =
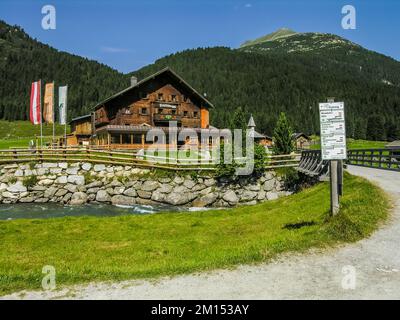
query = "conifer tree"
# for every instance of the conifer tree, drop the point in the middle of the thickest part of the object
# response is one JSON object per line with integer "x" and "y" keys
{"x": 283, "y": 142}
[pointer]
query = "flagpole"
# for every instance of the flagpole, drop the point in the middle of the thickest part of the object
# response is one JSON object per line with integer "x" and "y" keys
{"x": 65, "y": 126}
{"x": 54, "y": 115}
{"x": 41, "y": 115}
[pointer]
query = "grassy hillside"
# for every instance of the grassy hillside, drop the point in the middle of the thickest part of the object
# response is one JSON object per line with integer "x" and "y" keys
{"x": 89, "y": 248}
{"x": 17, "y": 134}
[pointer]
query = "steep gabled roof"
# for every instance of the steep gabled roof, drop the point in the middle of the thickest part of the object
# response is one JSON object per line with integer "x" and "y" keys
{"x": 162, "y": 71}
{"x": 297, "y": 135}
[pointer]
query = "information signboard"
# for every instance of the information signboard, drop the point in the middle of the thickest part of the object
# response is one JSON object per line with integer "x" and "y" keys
{"x": 333, "y": 131}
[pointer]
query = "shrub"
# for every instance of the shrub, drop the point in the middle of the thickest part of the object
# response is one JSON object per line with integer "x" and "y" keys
{"x": 30, "y": 181}
{"x": 12, "y": 180}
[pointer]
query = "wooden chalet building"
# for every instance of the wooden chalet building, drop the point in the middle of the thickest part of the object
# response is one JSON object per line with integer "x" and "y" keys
{"x": 122, "y": 120}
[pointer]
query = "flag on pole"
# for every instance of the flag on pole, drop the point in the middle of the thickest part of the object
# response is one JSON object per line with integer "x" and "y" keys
{"x": 35, "y": 112}
{"x": 62, "y": 104}
{"x": 48, "y": 109}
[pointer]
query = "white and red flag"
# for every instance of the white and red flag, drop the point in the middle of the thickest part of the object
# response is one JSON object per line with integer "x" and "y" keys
{"x": 35, "y": 109}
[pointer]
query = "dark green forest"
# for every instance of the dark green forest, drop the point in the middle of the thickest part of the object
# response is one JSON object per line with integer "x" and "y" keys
{"x": 24, "y": 60}
{"x": 288, "y": 75}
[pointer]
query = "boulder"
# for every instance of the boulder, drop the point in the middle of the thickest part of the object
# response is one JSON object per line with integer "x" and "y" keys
{"x": 122, "y": 200}
{"x": 209, "y": 182}
{"x": 45, "y": 182}
{"x": 27, "y": 200}
{"x": 61, "y": 193}
{"x": 19, "y": 173}
{"x": 144, "y": 194}
{"x": 149, "y": 185}
{"x": 178, "y": 180}
{"x": 9, "y": 195}
{"x": 158, "y": 196}
{"x": 248, "y": 195}
{"x": 199, "y": 187}
{"x": 269, "y": 185}
{"x": 78, "y": 180}
{"x": 94, "y": 184}
{"x": 261, "y": 195}
{"x": 189, "y": 183}
{"x": 17, "y": 187}
{"x": 92, "y": 190}
{"x": 130, "y": 192}
{"x": 49, "y": 165}
{"x": 72, "y": 171}
{"x": 165, "y": 188}
{"x": 55, "y": 170}
{"x": 86, "y": 166}
{"x": 179, "y": 198}
{"x": 61, "y": 180}
{"x": 272, "y": 196}
{"x": 103, "y": 196}
{"x": 99, "y": 167}
{"x": 119, "y": 190}
{"x": 3, "y": 187}
{"x": 71, "y": 188}
{"x": 230, "y": 197}
{"x": 42, "y": 200}
{"x": 78, "y": 198}
{"x": 63, "y": 165}
{"x": 50, "y": 192}
{"x": 206, "y": 200}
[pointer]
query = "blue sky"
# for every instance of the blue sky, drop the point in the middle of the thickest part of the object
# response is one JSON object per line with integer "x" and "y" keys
{"x": 127, "y": 35}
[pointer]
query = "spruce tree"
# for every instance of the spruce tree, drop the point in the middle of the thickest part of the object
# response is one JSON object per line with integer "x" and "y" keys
{"x": 283, "y": 142}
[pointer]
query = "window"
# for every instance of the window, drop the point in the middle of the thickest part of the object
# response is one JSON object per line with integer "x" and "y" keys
{"x": 195, "y": 114}
{"x": 173, "y": 111}
{"x": 160, "y": 111}
{"x": 160, "y": 96}
{"x": 185, "y": 113}
{"x": 143, "y": 110}
{"x": 173, "y": 97}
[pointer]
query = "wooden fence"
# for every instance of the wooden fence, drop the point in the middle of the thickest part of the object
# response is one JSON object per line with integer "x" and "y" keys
{"x": 388, "y": 159}
{"x": 129, "y": 158}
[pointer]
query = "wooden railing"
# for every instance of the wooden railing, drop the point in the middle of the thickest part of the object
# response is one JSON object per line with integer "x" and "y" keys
{"x": 130, "y": 158}
{"x": 388, "y": 159}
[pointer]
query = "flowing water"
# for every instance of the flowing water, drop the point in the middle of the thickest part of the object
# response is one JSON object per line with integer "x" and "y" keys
{"x": 48, "y": 210}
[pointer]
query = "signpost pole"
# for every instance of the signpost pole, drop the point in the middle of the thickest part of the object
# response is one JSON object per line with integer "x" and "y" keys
{"x": 333, "y": 147}
{"x": 333, "y": 168}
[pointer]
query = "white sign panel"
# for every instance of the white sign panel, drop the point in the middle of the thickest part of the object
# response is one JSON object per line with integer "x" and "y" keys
{"x": 333, "y": 131}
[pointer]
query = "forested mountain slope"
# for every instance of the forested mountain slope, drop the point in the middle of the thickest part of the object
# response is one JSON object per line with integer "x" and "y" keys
{"x": 24, "y": 60}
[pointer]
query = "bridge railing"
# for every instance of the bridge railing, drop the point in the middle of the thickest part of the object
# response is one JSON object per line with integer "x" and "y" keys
{"x": 311, "y": 163}
{"x": 388, "y": 159}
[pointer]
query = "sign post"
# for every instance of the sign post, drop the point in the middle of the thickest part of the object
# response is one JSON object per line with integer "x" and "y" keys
{"x": 333, "y": 146}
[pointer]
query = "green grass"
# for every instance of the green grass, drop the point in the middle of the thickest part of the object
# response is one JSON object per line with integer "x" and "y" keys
{"x": 116, "y": 248}
{"x": 17, "y": 134}
{"x": 357, "y": 144}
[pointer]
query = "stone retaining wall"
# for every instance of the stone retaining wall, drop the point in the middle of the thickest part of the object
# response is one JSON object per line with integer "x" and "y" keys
{"x": 80, "y": 183}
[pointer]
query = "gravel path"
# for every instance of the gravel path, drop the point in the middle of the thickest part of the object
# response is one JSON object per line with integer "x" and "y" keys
{"x": 315, "y": 275}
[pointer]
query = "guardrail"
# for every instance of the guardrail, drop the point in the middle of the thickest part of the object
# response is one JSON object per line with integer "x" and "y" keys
{"x": 388, "y": 159}
{"x": 130, "y": 158}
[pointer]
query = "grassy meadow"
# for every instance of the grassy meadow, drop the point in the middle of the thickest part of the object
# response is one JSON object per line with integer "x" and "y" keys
{"x": 86, "y": 249}
{"x": 353, "y": 144}
{"x": 17, "y": 134}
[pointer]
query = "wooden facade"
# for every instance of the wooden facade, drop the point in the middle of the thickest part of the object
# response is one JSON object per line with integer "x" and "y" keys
{"x": 155, "y": 102}
{"x": 81, "y": 131}
{"x": 159, "y": 101}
